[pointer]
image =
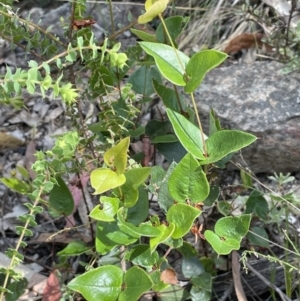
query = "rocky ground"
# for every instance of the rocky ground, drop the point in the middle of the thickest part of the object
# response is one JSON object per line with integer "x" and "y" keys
{"x": 34, "y": 128}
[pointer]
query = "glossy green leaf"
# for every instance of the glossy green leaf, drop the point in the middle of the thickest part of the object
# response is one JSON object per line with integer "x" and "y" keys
{"x": 61, "y": 199}
{"x": 117, "y": 156}
{"x": 167, "y": 61}
{"x": 229, "y": 232}
{"x": 225, "y": 142}
{"x": 109, "y": 235}
{"x": 107, "y": 210}
{"x": 104, "y": 179}
{"x": 188, "y": 182}
{"x": 144, "y": 36}
{"x": 165, "y": 233}
{"x": 103, "y": 283}
{"x": 188, "y": 134}
{"x": 74, "y": 248}
{"x": 182, "y": 216}
{"x": 136, "y": 283}
{"x": 199, "y": 64}
{"x": 141, "y": 255}
{"x": 16, "y": 185}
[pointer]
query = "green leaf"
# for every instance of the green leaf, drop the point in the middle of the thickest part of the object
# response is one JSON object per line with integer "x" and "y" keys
{"x": 257, "y": 205}
{"x": 158, "y": 285}
{"x": 129, "y": 191}
{"x": 16, "y": 185}
{"x": 225, "y": 142}
{"x": 144, "y": 36}
{"x": 74, "y": 248}
{"x": 175, "y": 25}
{"x": 229, "y": 232}
{"x": 173, "y": 293}
{"x": 109, "y": 235}
{"x": 167, "y": 61}
{"x": 164, "y": 139}
{"x": 141, "y": 255}
{"x": 144, "y": 229}
{"x": 61, "y": 199}
{"x": 103, "y": 179}
{"x": 165, "y": 199}
{"x": 258, "y": 236}
{"x": 214, "y": 123}
{"x": 173, "y": 152}
{"x": 224, "y": 208}
{"x": 170, "y": 98}
{"x": 156, "y": 178}
{"x": 191, "y": 267}
{"x": 136, "y": 283}
{"x": 107, "y": 210}
{"x": 156, "y": 128}
{"x": 188, "y": 182}
{"x": 139, "y": 212}
{"x": 214, "y": 193}
{"x": 141, "y": 80}
{"x": 182, "y": 216}
{"x": 199, "y": 64}
{"x": 187, "y": 250}
{"x": 188, "y": 134}
{"x": 165, "y": 233}
{"x": 117, "y": 156}
{"x": 103, "y": 283}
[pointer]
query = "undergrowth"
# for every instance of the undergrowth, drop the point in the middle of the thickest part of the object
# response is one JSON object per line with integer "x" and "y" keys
{"x": 128, "y": 255}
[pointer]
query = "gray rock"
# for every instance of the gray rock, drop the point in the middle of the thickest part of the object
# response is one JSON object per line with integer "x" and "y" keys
{"x": 261, "y": 100}
{"x": 50, "y": 18}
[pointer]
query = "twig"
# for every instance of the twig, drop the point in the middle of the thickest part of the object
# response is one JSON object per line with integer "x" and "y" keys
{"x": 238, "y": 287}
{"x": 283, "y": 296}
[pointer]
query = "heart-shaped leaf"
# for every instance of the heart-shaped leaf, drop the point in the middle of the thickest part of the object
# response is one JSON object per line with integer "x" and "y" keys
{"x": 117, "y": 156}
{"x": 225, "y": 142}
{"x": 136, "y": 282}
{"x": 182, "y": 216}
{"x": 103, "y": 281}
{"x": 188, "y": 182}
{"x": 199, "y": 64}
